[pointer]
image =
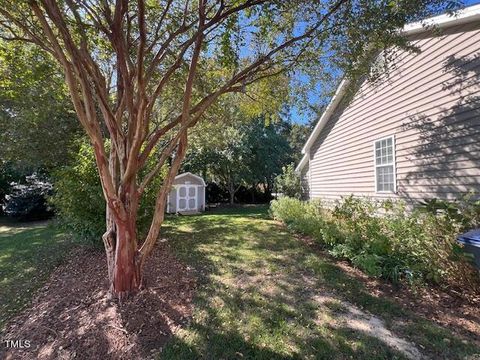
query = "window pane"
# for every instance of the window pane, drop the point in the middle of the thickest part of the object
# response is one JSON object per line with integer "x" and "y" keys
{"x": 379, "y": 180}
{"x": 389, "y": 151}
{"x": 384, "y": 152}
{"x": 385, "y": 178}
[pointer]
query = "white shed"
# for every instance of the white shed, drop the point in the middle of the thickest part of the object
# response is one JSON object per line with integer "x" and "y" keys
{"x": 187, "y": 194}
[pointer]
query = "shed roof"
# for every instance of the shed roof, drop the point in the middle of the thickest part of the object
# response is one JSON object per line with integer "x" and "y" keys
{"x": 180, "y": 176}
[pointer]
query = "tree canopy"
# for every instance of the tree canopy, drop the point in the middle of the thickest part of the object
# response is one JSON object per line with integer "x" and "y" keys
{"x": 35, "y": 109}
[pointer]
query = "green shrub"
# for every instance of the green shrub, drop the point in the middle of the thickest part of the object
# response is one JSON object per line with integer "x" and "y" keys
{"x": 79, "y": 202}
{"x": 386, "y": 239}
{"x": 288, "y": 182}
{"x": 299, "y": 216}
{"x": 78, "y": 199}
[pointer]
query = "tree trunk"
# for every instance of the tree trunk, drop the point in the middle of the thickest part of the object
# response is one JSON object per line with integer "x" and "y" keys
{"x": 109, "y": 242}
{"x": 126, "y": 277}
{"x": 123, "y": 263}
{"x": 120, "y": 241}
{"x": 231, "y": 191}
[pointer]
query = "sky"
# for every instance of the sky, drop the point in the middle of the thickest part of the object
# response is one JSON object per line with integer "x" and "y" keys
{"x": 298, "y": 116}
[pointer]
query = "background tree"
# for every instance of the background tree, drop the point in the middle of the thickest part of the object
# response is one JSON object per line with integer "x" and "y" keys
{"x": 297, "y": 135}
{"x": 35, "y": 110}
{"x": 141, "y": 74}
{"x": 242, "y": 142}
{"x": 33, "y": 101}
{"x": 250, "y": 153}
{"x": 228, "y": 164}
{"x": 269, "y": 151}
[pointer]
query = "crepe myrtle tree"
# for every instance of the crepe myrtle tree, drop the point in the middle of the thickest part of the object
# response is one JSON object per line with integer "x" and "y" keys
{"x": 140, "y": 74}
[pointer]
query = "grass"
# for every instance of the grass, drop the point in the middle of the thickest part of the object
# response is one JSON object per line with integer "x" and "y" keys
{"x": 262, "y": 293}
{"x": 259, "y": 297}
{"x": 28, "y": 254}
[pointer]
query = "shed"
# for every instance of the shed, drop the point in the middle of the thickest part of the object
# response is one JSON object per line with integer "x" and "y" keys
{"x": 187, "y": 194}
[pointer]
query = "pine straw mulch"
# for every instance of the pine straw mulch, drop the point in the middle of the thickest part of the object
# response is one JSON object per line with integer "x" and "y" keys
{"x": 73, "y": 318}
{"x": 456, "y": 309}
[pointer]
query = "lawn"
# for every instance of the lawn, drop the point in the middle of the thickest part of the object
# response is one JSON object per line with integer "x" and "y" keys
{"x": 261, "y": 294}
{"x": 28, "y": 254}
{"x": 265, "y": 295}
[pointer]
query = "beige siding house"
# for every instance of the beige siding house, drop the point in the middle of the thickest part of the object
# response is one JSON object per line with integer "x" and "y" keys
{"x": 413, "y": 135}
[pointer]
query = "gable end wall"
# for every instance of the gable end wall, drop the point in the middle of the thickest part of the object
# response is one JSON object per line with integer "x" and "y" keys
{"x": 430, "y": 102}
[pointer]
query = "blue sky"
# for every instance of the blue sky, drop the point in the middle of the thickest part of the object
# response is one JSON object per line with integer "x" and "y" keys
{"x": 299, "y": 117}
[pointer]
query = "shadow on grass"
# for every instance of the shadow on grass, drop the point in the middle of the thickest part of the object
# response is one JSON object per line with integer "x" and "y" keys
{"x": 258, "y": 297}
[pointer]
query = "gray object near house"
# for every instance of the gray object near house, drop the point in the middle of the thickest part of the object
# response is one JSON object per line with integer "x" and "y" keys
{"x": 412, "y": 135}
{"x": 187, "y": 195}
{"x": 471, "y": 242}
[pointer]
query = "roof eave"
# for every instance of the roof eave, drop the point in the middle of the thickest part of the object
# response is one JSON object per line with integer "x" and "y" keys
{"x": 464, "y": 16}
{"x": 301, "y": 164}
{"x": 326, "y": 115}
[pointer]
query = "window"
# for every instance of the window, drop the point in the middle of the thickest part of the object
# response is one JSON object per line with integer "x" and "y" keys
{"x": 385, "y": 165}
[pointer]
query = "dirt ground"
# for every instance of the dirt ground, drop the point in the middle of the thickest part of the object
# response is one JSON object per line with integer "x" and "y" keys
{"x": 459, "y": 312}
{"x": 72, "y": 317}
{"x": 455, "y": 309}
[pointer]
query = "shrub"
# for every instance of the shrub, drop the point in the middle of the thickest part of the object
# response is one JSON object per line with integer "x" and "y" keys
{"x": 216, "y": 193}
{"x": 288, "y": 183}
{"x": 79, "y": 202}
{"x": 385, "y": 239}
{"x": 78, "y": 199}
{"x": 27, "y": 200}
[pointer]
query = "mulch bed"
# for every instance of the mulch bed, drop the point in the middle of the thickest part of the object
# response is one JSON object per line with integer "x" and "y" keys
{"x": 72, "y": 316}
{"x": 455, "y": 309}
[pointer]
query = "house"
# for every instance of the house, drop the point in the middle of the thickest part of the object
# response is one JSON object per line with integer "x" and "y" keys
{"x": 187, "y": 194}
{"x": 413, "y": 135}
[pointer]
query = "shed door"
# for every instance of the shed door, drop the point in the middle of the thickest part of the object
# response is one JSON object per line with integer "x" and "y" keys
{"x": 187, "y": 198}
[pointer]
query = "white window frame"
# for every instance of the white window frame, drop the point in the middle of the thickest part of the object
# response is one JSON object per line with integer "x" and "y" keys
{"x": 394, "y": 163}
